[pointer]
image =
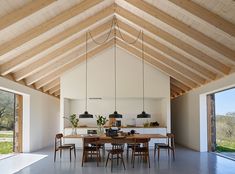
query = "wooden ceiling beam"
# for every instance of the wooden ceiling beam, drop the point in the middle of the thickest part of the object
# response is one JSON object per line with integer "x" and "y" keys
{"x": 165, "y": 69}
{"x": 175, "y": 92}
{"x": 206, "y": 15}
{"x": 179, "y": 84}
{"x": 184, "y": 28}
{"x": 170, "y": 52}
{"x": 177, "y": 89}
{"x": 39, "y": 64}
{"x": 57, "y": 93}
{"x": 46, "y": 26}
{"x": 72, "y": 64}
{"x": 218, "y": 66}
{"x": 51, "y": 85}
{"x": 54, "y": 89}
{"x": 19, "y": 60}
{"x": 22, "y": 82}
{"x": 59, "y": 63}
{"x": 23, "y": 12}
{"x": 165, "y": 60}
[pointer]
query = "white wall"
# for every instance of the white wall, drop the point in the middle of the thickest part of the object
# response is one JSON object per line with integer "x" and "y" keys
{"x": 40, "y": 115}
{"x": 128, "y": 107}
{"x": 129, "y": 87}
{"x": 189, "y": 114}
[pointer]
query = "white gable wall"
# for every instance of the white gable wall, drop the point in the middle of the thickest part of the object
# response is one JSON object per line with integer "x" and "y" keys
{"x": 129, "y": 88}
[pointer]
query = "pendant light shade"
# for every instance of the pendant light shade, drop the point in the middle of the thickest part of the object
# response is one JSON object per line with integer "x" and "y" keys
{"x": 86, "y": 114}
{"x": 115, "y": 114}
{"x": 143, "y": 114}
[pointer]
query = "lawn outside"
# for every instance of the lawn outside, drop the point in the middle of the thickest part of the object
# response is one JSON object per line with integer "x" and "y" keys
{"x": 6, "y": 142}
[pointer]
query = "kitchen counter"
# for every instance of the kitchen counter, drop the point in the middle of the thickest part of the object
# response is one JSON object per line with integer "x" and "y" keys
{"x": 80, "y": 127}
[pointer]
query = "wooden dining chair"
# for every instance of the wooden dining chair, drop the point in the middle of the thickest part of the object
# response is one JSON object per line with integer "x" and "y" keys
{"x": 59, "y": 146}
{"x": 100, "y": 145}
{"x": 140, "y": 151}
{"x": 90, "y": 147}
{"x": 116, "y": 152}
{"x": 170, "y": 145}
{"x": 130, "y": 146}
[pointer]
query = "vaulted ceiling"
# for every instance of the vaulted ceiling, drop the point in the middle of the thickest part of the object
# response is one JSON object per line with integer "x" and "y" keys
{"x": 193, "y": 41}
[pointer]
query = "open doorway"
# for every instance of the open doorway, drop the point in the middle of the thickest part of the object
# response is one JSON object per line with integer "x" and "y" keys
{"x": 221, "y": 124}
{"x": 10, "y": 123}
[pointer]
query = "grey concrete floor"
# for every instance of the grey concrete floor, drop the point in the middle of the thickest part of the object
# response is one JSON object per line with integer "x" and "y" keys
{"x": 187, "y": 162}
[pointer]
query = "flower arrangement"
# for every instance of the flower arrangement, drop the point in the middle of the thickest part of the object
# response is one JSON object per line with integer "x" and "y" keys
{"x": 101, "y": 120}
{"x": 73, "y": 120}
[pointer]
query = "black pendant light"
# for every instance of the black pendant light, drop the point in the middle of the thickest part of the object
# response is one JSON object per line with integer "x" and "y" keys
{"x": 115, "y": 114}
{"x": 86, "y": 114}
{"x": 143, "y": 114}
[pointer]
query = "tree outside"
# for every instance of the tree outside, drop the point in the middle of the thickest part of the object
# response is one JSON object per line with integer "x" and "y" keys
{"x": 6, "y": 122}
{"x": 225, "y": 132}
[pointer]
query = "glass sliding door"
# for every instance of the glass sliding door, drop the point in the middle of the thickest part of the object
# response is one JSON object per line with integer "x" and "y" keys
{"x": 225, "y": 122}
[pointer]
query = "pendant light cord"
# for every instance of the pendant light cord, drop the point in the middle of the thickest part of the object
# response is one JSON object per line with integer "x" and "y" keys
{"x": 142, "y": 45}
{"x": 86, "y": 69}
{"x": 115, "y": 63}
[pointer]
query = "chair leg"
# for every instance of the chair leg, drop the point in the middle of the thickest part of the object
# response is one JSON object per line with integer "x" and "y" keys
{"x": 173, "y": 152}
{"x": 74, "y": 152}
{"x": 111, "y": 162}
{"x": 97, "y": 158}
{"x": 148, "y": 160}
{"x": 118, "y": 159}
{"x": 83, "y": 157}
{"x": 123, "y": 162}
{"x": 107, "y": 160}
{"x": 158, "y": 153}
{"x": 54, "y": 156}
{"x": 133, "y": 161}
{"x": 155, "y": 148}
{"x": 127, "y": 152}
{"x": 60, "y": 153}
{"x": 70, "y": 153}
{"x": 132, "y": 156}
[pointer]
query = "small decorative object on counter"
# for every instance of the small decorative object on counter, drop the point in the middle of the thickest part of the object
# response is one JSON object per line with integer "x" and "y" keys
{"x": 132, "y": 132}
{"x": 154, "y": 124}
{"x": 146, "y": 124}
{"x": 74, "y": 122}
{"x": 101, "y": 121}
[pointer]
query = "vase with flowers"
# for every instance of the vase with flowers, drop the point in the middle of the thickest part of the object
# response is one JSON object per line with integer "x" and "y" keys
{"x": 74, "y": 122}
{"x": 101, "y": 121}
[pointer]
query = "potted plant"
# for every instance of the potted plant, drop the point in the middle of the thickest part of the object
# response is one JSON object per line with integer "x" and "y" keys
{"x": 74, "y": 122}
{"x": 101, "y": 121}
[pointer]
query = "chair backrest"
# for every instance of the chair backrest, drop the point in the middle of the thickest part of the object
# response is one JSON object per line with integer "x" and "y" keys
{"x": 90, "y": 140}
{"x": 58, "y": 140}
{"x": 118, "y": 142}
{"x": 143, "y": 141}
{"x": 171, "y": 140}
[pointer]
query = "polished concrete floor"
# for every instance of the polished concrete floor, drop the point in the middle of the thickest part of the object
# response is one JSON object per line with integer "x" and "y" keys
{"x": 187, "y": 162}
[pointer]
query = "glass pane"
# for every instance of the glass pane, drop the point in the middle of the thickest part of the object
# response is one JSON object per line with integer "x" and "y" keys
{"x": 225, "y": 122}
{"x": 7, "y": 120}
